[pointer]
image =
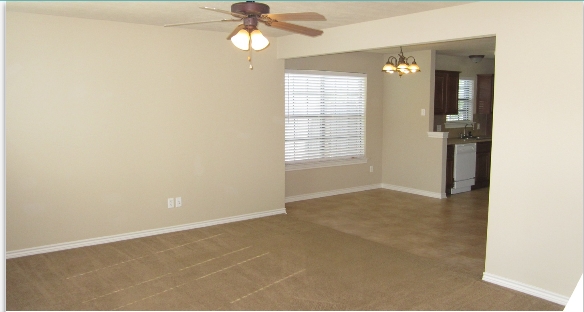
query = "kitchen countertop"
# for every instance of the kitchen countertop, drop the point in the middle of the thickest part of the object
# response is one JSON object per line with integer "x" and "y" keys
{"x": 451, "y": 141}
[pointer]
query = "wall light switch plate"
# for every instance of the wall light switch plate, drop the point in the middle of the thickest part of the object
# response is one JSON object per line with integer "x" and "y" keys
{"x": 178, "y": 202}
{"x": 423, "y": 112}
{"x": 171, "y": 203}
{"x": 370, "y": 168}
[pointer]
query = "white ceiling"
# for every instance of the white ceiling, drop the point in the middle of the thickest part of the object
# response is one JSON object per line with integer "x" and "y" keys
{"x": 336, "y": 13}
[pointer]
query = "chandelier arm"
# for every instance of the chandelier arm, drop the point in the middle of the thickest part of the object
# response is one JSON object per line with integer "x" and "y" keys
{"x": 392, "y": 58}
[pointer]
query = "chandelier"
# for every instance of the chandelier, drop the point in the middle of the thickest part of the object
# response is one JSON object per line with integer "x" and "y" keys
{"x": 401, "y": 65}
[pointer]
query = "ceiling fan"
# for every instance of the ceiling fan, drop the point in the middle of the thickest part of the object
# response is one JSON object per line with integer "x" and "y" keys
{"x": 250, "y": 13}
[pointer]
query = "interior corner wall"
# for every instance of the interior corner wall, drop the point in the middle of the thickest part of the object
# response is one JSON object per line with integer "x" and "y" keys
{"x": 106, "y": 120}
{"x": 411, "y": 159}
{"x": 308, "y": 181}
{"x": 535, "y": 201}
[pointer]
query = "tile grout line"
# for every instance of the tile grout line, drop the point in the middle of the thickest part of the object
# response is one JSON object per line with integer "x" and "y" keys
{"x": 113, "y": 292}
{"x": 244, "y": 261}
{"x": 274, "y": 283}
{"x": 109, "y": 266}
{"x": 141, "y": 257}
{"x": 214, "y": 258}
{"x": 202, "y": 239}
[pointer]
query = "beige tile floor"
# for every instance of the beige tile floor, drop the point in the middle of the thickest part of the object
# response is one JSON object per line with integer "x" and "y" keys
{"x": 374, "y": 250}
{"x": 452, "y": 230}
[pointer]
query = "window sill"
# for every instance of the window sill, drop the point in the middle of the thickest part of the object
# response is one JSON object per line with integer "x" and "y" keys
{"x": 325, "y": 163}
{"x": 457, "y": 124}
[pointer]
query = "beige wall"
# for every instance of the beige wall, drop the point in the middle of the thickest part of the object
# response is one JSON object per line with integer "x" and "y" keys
{"x": 106, "y": 120}
{"x": 301, "y": 182}
{"x": 411, "y": 159}
{"x": 535, "y": 202}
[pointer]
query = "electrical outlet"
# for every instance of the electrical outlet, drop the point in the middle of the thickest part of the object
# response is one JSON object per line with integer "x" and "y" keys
{"x": 439, "y": 128}
{"x": 478, "y": 126}
{"x": 171, "y": 203}
{"x": 370, "y": 168}
{"x": 178, "y": 202}
{"x": 423, "y": 112}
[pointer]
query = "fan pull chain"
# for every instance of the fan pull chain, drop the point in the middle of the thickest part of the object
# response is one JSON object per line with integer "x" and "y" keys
{"x": 249, "y": 55}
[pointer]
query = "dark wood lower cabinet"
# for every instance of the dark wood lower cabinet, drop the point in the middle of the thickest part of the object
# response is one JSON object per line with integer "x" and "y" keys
{"x": 483, "y": 167}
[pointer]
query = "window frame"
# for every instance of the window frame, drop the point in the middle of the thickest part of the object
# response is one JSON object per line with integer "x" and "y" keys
{"x": 462, "y": 123}
{"x": 328, "y": 161}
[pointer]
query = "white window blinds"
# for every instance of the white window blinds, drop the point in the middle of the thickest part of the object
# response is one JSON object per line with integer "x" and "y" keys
{"x": 465, "y": 101}
{"x": 325, "y": 116}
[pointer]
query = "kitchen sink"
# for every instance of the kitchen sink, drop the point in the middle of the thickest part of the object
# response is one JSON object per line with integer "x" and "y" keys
{"x": 477, "y": 138}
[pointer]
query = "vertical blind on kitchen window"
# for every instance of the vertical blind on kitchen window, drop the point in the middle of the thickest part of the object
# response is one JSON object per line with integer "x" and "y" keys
{"x": 465, "y": 101}
{"x": 325, "y": 115}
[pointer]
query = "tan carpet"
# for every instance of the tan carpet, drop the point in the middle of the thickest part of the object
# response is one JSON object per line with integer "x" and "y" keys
{"x": 273, "y": 263}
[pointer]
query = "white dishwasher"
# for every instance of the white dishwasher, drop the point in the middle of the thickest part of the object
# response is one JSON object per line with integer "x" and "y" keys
{"x": 465, "y": 160}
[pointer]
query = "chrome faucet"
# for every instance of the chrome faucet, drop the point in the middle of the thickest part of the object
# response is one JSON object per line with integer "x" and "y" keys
{"x": 464, "y": 135}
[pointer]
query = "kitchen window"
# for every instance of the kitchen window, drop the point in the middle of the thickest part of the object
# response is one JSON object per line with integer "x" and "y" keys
{"x": 465, "y": 104}
{"x": 324, "y": 118}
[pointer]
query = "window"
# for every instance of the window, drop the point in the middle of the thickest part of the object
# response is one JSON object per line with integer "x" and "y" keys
{"x": 465, "y": 102}
{"x": 325, "y": 119}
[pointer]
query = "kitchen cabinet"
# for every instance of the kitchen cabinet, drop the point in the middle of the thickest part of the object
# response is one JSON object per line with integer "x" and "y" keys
{"x": 446, "y": 92}
{"x": 449, "y": 168}
{"x": 485, "y": 92}
{"x": 483, "y": 166}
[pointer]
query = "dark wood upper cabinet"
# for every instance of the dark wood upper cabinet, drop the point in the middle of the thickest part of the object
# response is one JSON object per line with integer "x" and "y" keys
{"x": 485, "y": 92}
{"x": 446, "y": 92}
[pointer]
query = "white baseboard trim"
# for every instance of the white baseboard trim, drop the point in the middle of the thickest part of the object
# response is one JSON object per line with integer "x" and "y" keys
{"x": 413, "y": 191}
{"x": 120, "y": 237}
{"x": 290, "y": 199}
{"x": 524, "y": 288}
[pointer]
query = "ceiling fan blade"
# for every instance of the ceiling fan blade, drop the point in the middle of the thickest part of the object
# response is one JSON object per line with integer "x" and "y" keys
{"x": 193, "y": 23}
{"x": 224, "y": 11}
{"x": 235, "y": 31}
{"x": 302, "y": 16}
{"x": 296, "y": 28}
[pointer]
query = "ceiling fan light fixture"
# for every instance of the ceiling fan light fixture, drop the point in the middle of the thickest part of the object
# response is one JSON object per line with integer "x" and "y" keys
{"x": 241, "y": 40}
{"x": 258, "y": 41}
{"x": 249, "y": 13}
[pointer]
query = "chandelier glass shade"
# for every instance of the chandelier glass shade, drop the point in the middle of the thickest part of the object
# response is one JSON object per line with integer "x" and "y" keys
{"x": 243, "y": 39}
{"x": 400, "y": 64}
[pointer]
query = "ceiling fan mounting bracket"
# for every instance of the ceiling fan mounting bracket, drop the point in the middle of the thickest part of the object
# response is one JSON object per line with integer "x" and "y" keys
{"x": 250, "y": 8}
{"x": 250, "y": 22}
